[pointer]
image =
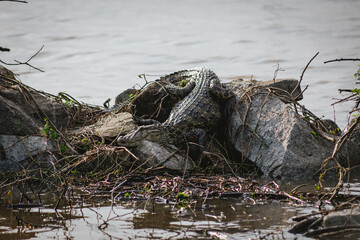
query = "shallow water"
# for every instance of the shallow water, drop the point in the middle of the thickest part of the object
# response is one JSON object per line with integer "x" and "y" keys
{"x": 214, "y": 218}
{"x": 230, "y": 219}
{"x": 96, "y": 49}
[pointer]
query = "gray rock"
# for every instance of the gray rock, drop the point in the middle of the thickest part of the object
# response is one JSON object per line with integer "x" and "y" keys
{"x": 155, "y": 155}
{"x": 269, "y": 133}
{"x": 355, "y": 135}
{"x": 347, "y": 217}
{"x": 17, "y": 152}
{"x": 20, "y": 115}
{"x": 125, "y": 95}
{"x": 283, "y": 88}
{"x": 349, "y": 154}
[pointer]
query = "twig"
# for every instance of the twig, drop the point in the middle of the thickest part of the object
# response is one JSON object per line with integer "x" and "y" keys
{"x": 342, "y": 59}
{"x": 277, "y": 71}
{"x": 302, "y": 74}
{"x": 27, "y": 62}
{"x": 19, "y": 1}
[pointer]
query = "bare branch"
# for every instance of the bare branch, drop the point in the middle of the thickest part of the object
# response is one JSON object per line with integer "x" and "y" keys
{"x": 27, "y": 62}
{"x": 19, "y": 1}
{"x": 302, "y": 74}
{"x": 343, "y": 59}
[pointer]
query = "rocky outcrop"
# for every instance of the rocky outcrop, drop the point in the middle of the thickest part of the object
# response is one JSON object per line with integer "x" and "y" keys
{"x": 23, "y": 110}
{"x": 24, "y": 113}
{"x": 263, "y": 128}
{"x": 268, "y": 132}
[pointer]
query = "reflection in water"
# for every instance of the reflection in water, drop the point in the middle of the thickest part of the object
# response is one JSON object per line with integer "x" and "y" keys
{"x": 230, "y": 218}
{"x": 96, "y": 49}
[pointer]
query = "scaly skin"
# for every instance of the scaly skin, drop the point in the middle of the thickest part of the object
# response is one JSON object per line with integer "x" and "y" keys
{"x": 192, "y": 117}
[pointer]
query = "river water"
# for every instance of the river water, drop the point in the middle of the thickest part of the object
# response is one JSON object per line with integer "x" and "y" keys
{"x": 93, "y": 50}
{"x": 96, "y": 49}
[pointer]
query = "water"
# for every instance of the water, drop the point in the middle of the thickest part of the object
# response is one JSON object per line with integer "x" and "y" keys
{"x": 228, "y": 218}
{"x": 96, "y": 49}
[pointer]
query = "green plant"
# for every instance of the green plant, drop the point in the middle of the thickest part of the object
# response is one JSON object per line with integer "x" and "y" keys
{"x": 63, "y": 148}
{"x": 355, "y": 90}
{"x": 357, "y": 74}
{"x": 315, "y": 134}
{"x": 47, "y": 130}
{"x": 183, "y": 199}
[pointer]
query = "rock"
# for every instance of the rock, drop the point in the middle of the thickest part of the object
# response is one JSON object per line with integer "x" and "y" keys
{"x": 349, "y": 154}
{"x": 110, "y": 126}
{"x": 154, "y": 155}
{"x": 340, "y": 222}
{"x": 270, "y": 134}
{"x": 20, "y": 115}
{"x": 125, "y": 95}
{"x": 355, "y": 135}
{"x": 284, "y": 89}
{"x": 6, "y": 73}
{"x": 148, "y": 103}
{"x": 17, "y": 152}
{"x": 347, "y": 217}
{"x": 330, "y": 126}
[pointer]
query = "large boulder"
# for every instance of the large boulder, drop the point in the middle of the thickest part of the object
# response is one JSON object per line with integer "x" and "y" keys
{"x": 17, "y": 153}
{"x": 268, "y": 132}
{"x": 23, "y": 110}
{"x": 25, "y": 115}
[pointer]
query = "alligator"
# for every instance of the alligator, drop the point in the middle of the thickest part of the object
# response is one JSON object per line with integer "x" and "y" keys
{"x": 192, "y": 117}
